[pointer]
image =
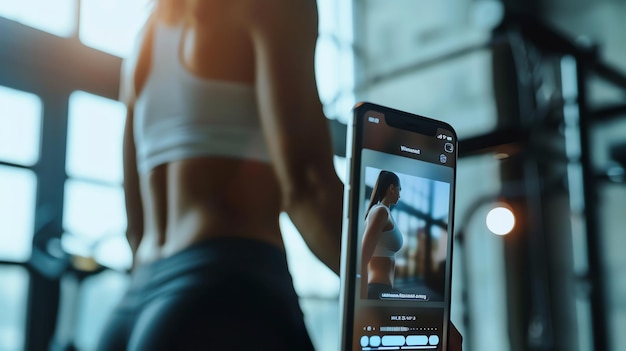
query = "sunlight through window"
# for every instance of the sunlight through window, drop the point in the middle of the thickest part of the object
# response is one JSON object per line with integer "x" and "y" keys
{"x": 13, "y": 295}
{"x": 95, "y": 133}
{"x": 56, "y": 17}
{"x": 334, "y": 59}
{"x": 95, "y": 222}
{"x": 111, "y": 25}
{"x": 94, "y": 217}
{"x": 20, "y": 126}
{"x": 303, "y": 265}
{"x": 17, "y": 204}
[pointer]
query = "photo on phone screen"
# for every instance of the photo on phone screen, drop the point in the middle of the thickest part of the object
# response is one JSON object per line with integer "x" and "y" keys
{"x": 398, "y": 236}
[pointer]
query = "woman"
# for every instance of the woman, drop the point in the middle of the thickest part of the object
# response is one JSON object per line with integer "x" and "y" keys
{"x": 224, "y": 131}
{"x": 382, "y": 238}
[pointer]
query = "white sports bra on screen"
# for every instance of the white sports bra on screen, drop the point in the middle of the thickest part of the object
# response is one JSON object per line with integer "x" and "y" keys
{"x": 390, "y": 241}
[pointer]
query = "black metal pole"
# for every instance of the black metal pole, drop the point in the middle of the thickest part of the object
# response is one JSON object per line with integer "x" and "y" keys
{"x": 590, "y": 211}
{"x": 44, "y": 292}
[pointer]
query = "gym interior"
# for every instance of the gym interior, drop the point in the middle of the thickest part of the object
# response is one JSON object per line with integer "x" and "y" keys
{"x": 535, "y": 89}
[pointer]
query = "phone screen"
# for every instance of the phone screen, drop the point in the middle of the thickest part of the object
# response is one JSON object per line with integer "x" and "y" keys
{"x": 398, "y": 241}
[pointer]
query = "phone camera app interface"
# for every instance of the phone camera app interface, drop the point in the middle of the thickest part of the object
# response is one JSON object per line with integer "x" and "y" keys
{"x": 402, "y": 276}
{"x": 403, "y": 202}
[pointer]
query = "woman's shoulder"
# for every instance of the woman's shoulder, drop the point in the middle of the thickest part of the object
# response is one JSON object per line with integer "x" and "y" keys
{"x": 135, "y": 66}
{"x": 381, "y": 206}
{"x": 379, "y": 211}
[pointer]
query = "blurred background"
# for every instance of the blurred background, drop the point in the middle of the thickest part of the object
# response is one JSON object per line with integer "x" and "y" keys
{"x": 535, "y": 89}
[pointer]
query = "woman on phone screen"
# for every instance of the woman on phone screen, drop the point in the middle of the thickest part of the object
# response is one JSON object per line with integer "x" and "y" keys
{"x": 382, "y": 238}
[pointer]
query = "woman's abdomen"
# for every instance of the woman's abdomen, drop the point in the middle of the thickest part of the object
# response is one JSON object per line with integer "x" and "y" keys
{"x": 381, "y": 270}
{"x": 200, "y": 198}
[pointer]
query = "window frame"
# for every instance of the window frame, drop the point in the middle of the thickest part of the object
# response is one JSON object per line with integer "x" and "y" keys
{"x": 69, "y": 66}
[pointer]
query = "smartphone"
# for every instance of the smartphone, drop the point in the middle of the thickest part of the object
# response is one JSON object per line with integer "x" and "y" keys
{"x": 398, "y": 231}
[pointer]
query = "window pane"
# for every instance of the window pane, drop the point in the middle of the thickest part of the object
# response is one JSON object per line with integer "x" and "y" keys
{"x": 20, "y": 126}
{"x": 478, "y": 266}
{"x": 111, "y": 25}
{"x": 56, "y": 17}
{"x": 95, "y": 222}
{"x": 612, "y": 199}
{"x": 17, "y": 205}
{"x": 327, "y": 57}
{"x": 320, "y": 317}
{"x": 334, "y": 59}
{"x": 94, "y": 148}
{"x": 98, "y": 296}
{"x": 13, "y": 294}
{"x": 115, "y": 253}
{"x": 303, "y": 265}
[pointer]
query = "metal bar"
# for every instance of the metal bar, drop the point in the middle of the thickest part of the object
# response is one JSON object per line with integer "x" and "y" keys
{"x": 583, "y": 199}
{"x": 15, "y": 165}
{"x": 40, "y": 62}
{"x": 607, "y": 113}
{"x": 590, "y": 210}
{"x": 14, "y": 263}
{"x": 44, "y": 293}
{"x": 505, "y": 140}
{"x": 608, "y": 73}
{"x": 549, "y": 39}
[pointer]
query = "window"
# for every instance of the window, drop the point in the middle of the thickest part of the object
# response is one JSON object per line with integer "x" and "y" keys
{"x": 17, "y": 205}
{"x": 95, "y": 222}
{"x": 20, "y": 126}
{"x": 334, "y": 60}
{"x": 97, "y": 297}
{"x": 303, "y": 265}
{"x": 55, "y": 17}
{"x": 94, "y": 149}
{"x": 111, "y": 25}
{"x": 13, "y": 295}
{"x": 94, "y": 217}
{"x": 478, "y": 286}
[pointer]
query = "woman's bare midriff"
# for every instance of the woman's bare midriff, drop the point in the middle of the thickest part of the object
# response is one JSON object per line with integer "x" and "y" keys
{"x": 381, "y": 270}
{"x": 191, "y": 200}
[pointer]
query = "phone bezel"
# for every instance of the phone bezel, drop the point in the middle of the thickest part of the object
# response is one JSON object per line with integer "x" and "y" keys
{"x": 399, "y": 119}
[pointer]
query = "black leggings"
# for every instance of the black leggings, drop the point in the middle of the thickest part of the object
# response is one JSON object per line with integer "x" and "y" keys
{"x": 222, "y": 294}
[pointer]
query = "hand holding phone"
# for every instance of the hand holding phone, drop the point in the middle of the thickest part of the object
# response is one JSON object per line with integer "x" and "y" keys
{"x": 397, "y": 241}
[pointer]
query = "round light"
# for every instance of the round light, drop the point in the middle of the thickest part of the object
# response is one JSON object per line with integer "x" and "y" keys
{"x": 500, "y": 220}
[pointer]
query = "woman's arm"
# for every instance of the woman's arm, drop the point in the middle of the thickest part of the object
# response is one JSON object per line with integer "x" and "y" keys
{"x": 132, "y": 195}
{"x": 377, "y": 219}
{"x": 284, "y": 35}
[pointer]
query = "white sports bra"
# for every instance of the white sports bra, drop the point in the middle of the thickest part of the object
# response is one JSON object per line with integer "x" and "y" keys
{"x": 390, "y": 241}
{"x": 179, "y": 115}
